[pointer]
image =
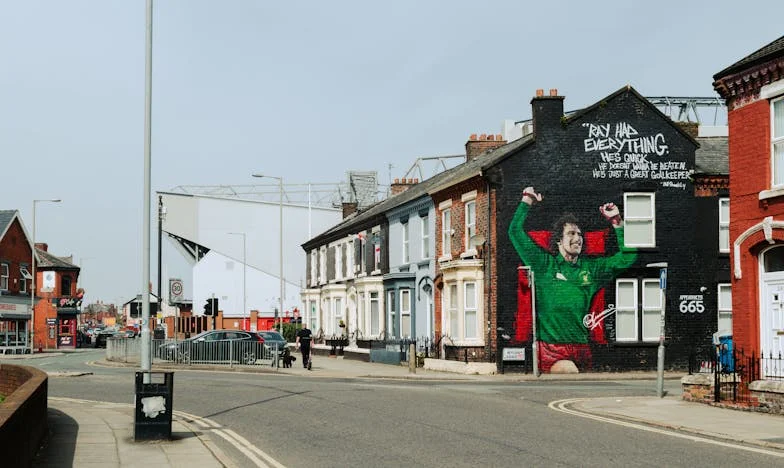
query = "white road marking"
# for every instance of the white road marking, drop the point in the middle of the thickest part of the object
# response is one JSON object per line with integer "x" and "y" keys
{"x": 560, "y": 405}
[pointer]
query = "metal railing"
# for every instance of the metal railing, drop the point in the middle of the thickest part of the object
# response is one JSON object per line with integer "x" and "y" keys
{"x": 733, "y": 370}
{"x": 187, "y": 352}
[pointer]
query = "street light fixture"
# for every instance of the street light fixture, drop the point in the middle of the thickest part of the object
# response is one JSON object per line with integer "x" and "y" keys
{"x": 244, "y": 283}
{"x": 32, "y": 280}
{"x": 280, "y": 235}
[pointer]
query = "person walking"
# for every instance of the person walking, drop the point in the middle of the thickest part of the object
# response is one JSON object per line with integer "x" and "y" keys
{"x": 304, "y": 341}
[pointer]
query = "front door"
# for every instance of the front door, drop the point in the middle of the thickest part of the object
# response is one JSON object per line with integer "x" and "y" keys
{"x": 772, "y": 317}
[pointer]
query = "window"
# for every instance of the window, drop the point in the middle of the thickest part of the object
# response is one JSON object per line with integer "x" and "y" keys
{"x": 24, "y": 276}
{"x": 338, "y": 313}
{"x": 639, "y": 217}
{"x": 405, "y": 242}
{"x": 361, "y": 308}
{"x": 391, "y": 313}
{"x": 339, "y": 261}
{"x": 313, "y": 268}
{"x": 470, "y": 311}
{"x": 405, "y": 313}
{"x": 313, "y": 316}
{"x": 323, "y": 265}
{"x": 425, "y": 237}
{"x": 725, "y": 307}
{"x": 454, "y": 330}
{"x": 362, "y": 254}
{"x": 631, "y": 320}
{"x": 724, "y": 225}
{"x": 350, "y": 259}
{"x": 65, "y": 285}
{"x": 375, "y": 314}
{"x": 470, "y": 222}
{"x": 777, "y": 141}
{"x": 4, "y": 276}
{"x": 446, "y": 233}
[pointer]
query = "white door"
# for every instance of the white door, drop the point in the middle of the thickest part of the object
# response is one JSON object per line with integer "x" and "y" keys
{"x": 772, "y": 317}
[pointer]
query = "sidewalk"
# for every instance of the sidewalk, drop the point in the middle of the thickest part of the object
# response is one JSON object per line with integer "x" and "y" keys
{"x": 100, "y": 434}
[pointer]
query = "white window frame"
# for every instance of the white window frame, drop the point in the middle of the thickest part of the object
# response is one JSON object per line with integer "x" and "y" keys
{"x": 314, "y": 267}
{"x": 626, "y": 310}
{"x": 425, "y": 224}
{"x": 724, "y": 225}
{"x": 470, "y": 223}
{"x": 4, "y": 276}
{"x": 446, "y": 233}
{"x": 362, "y": 254}
{"x": 376, "y": 234}
{"x": 24, "y": 276}
{"x": 468, "y": 311}
{"x": 633, "y": 218}
{"x": 323, "y": 265}
{"x": 776, "y": 140}
{"x": 313, "y": 311}
{"x": 379, "y": 313}
{"x": 406, "y": 234}
{"x": 405, "y": 311}
{"x": 724, "y": 309}
{"x": 452, "y": 307}
{"x": 350, "y": 259}
{"x": 339, "y": 262}
{"x": 649, "y": 310}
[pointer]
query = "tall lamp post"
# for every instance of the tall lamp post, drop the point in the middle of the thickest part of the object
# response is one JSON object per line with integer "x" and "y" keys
{"x": 32, "y": 280}
{"x": 280, "y": 235}
{"x": 244, "y": 283}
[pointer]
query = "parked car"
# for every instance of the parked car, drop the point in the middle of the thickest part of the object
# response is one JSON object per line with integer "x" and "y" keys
{"x": 215, "y": 346}
{"x": 100, "y": 337}
{"x": 274, "y": 341}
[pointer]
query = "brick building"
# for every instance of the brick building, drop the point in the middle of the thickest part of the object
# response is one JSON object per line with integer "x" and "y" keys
{"x": 753, "y": 89}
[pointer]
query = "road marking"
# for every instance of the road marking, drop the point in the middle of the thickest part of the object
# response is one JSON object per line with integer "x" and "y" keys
{"x": 560, "y": 405}
{"x": 240, "y": 443}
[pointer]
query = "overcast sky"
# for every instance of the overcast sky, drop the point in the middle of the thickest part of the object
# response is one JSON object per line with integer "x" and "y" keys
{"x": 306, "y": 90}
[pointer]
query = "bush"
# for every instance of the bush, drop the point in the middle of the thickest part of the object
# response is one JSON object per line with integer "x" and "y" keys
{"x": 290, "y": 331}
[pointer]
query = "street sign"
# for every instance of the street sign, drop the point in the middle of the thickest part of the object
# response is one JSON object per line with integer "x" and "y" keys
{"x": 663, "y": 278}
{"x": 175, "y": 290}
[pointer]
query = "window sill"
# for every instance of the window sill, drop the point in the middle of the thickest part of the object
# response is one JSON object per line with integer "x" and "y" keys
{"x": 445, "y": 258}
{"x": 772, "y": 193}
{"x": 466, "y": 343}
{"x": 375, "y": 272}
{"x": 636, "y": 344}
{"x": 468, "y": 253}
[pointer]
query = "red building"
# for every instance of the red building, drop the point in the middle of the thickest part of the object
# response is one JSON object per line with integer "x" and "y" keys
{"x": 753, "y": 89}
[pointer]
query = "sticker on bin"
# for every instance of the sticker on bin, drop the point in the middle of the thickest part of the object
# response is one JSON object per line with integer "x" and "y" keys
{"x": 153, "y": 406}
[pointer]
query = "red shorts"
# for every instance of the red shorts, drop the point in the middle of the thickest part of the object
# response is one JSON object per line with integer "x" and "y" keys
{"x": 550, "y": 353}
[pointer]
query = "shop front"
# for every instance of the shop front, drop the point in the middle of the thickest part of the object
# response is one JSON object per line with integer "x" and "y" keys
{"x": 66, "y": 326}
{"x": 14, "y": 317}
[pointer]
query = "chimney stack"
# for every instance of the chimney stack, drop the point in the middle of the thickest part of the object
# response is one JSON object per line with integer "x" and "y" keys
{"x": 349, "y": 208}
{"x": 547, "y": 111}
{"x": 475, "y": 146}
{"x": 401, "y": 185}
{"x": 42, "y": 246}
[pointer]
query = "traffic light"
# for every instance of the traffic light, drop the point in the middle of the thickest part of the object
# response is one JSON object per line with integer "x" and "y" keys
{"x": 215, "y": 306}
{"x": 211, "y": 306}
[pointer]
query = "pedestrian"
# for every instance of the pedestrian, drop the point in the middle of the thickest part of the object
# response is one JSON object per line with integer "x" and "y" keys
{"x": 304, "y": 340}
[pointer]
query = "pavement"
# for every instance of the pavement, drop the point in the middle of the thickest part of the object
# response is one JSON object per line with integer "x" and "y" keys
{"x": 90, "y": 433}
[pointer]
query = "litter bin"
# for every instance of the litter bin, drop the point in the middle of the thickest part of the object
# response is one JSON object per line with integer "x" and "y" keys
{"x": 153, "y": 414}
{"x": 724, "y": 356}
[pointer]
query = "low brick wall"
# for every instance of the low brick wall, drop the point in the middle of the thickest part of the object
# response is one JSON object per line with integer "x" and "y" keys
{"x": 23, "y": 418}
{"x": 767, "y": 396}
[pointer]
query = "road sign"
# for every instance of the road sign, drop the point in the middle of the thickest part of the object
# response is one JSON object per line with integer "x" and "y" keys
{"x": 175, "y": 290}
{"x": 663, "y": 278}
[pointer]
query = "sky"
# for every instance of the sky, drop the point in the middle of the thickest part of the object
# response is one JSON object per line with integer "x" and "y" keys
{"x": 306, "y": 90}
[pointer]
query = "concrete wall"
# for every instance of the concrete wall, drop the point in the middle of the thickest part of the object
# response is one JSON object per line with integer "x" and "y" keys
{"x": 23, "y": 418}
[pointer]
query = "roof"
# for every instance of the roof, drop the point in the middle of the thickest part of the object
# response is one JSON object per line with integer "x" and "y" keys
{"x": 775, "y": 48}
{"x": 47, "y": 260}
{"x": 439, "y": 181}
{"x": 6, "y": 217}
{"x": 712, "y": 157}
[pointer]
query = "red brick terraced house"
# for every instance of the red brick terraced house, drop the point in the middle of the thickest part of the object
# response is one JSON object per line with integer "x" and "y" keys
{"x": 753, "y": 89}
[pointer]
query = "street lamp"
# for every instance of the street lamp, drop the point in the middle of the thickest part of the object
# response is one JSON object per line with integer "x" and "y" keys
{"x": 244, "y": 284}
{"x": 660, "y": 352}
{"x": 32, "y": 280}
{"x": 280, "y": 236}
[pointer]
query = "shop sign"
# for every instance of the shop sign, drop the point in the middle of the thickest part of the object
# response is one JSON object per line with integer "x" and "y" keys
{"x": 67, "y": 302}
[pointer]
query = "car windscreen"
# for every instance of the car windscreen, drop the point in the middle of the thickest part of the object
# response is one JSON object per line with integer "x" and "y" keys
{"x": 274, "y": 336}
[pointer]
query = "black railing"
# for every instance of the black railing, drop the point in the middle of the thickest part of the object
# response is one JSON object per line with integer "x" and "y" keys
{"x": 733, "y": 370}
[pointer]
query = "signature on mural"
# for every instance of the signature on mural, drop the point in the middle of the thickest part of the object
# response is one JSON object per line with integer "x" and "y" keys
{"x": 591, "y": 321}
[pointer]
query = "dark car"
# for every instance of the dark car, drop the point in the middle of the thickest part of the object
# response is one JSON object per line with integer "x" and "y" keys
{"x": 215, "y": 346}
{"x": 273, "y": 341}
{"x": 100, "y": 337}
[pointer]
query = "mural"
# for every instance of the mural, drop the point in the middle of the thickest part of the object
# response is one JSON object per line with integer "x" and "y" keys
{"x": 569, "y": 277}
{"x": 621, "y": 152}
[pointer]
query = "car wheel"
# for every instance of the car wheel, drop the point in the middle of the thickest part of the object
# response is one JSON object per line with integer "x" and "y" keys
{"x": 249, "y": 358}
{"x": 184, "y": 356}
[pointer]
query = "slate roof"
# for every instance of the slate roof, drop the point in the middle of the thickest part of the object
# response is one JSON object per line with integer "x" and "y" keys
{"x": 47, "y": 260}
{"x": 6, "y": 216}
{"x": 775, "y": 48}
{"x": 447, "y": 178}
{"x": 712, "y": 157}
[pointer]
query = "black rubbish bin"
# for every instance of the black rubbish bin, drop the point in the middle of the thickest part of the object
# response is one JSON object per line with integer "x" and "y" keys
{"x": 153, "y": 414}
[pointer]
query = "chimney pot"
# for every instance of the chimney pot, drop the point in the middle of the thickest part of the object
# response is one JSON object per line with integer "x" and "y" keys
{"x": 397, "y": 181}
{"x": 416, "y": 180}
{"x": 539, "y": 92}
{"x": 491, "y": 137}
{"x": 553, "y": 92}
{"x": 472, "y": 137}
{"x": 483, "y": 137}
{"x": 498, "y": 137}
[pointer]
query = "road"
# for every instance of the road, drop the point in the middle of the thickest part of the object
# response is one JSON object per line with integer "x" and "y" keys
{"x": 309, "y": 421}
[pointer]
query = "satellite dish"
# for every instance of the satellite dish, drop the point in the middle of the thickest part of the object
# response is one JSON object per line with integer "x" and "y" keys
{"x": 476, "y": 240}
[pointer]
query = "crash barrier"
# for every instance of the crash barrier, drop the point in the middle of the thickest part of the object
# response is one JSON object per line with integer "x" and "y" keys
{"x": 189, "y": 352}
{"x": 730, "y": 377}
{"x": 152, "y": 419}
{"x": 23, "y": 423}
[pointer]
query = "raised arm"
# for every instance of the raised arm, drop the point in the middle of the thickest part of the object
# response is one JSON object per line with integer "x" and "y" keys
{"x": 530, "y": 253}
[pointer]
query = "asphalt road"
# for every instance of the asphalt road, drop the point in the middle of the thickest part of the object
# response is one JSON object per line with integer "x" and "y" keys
{"x": 310, "y": 421}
